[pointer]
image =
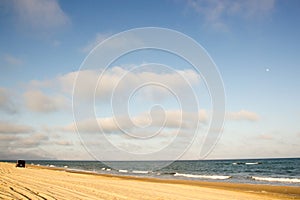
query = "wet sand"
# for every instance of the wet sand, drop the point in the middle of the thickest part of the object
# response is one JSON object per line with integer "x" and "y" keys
{"x": 35, "y": 182}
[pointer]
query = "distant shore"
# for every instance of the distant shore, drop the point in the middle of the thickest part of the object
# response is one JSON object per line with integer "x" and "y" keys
{"x": 39, "y": 182}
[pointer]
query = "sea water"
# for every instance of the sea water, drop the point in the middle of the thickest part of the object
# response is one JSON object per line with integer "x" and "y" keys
{"x": 254, "y": 171}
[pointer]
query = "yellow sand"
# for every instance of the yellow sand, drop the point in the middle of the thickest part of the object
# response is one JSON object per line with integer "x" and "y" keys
{"x": 41, "y": 183}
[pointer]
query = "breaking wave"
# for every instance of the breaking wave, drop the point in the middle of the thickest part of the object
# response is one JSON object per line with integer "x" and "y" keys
{"x": 270, "y": 179}
{"x": 215, "y": 177}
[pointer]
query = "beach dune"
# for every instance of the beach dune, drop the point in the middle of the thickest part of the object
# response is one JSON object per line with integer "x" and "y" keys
{"x": 35, "y": 182}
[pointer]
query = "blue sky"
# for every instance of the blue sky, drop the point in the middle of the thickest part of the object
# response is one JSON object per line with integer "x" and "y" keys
{"x": 255, "y": 45}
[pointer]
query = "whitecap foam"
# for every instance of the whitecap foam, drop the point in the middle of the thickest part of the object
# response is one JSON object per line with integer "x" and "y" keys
{"x": 123, "y": 171}
{"x": 140, "y": 172}
{"x": 270, "y": 179}
{"x": 238, "y": 163}
{"x": 250, "y": 163}
{"x": 215, "y": 177}
{"x": 108, "y": 169}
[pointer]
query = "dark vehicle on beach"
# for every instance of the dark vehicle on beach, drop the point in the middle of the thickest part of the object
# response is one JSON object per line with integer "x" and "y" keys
{"x": 20, "y": 163}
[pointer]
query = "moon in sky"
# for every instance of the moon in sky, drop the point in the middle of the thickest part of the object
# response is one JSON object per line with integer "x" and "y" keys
{"x": 267, "y": 69}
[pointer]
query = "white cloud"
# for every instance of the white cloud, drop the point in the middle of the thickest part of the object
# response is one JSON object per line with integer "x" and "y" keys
{"x": 124, "y": 81}
{"x": 39, "y": 14}
{"x": 8, "y": 127}
{"x": 39, "y": 95}
{"x": 243, "y": 115}
{"x": 216, "y": 12}
{"x": 37, "y": 101}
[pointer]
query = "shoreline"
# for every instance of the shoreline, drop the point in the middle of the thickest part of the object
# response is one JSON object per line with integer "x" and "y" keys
{"x": 277, "y": 192}
{"x": 259, "y": 188}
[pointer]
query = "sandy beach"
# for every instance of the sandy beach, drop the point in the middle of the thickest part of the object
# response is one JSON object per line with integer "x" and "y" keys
{"x": 35, "y": 182}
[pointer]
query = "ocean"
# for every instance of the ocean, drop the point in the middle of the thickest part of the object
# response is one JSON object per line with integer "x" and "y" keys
{"x": 254, "y": 171}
